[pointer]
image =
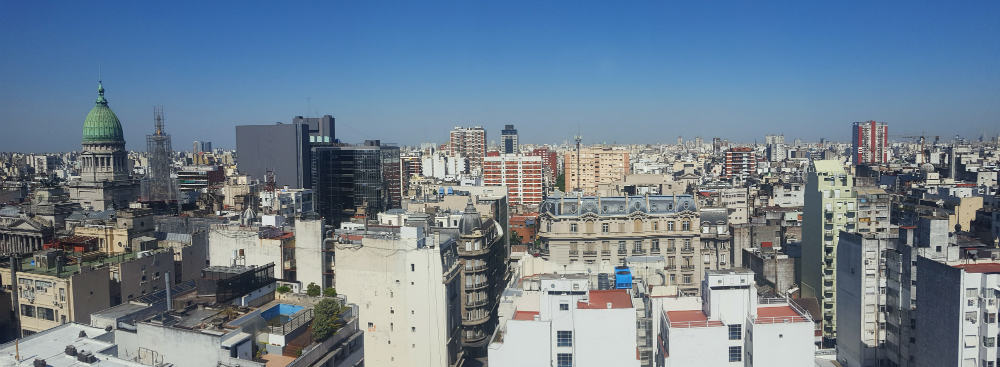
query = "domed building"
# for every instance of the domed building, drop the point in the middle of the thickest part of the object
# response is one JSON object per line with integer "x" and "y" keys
{"x": 105, "y": 181}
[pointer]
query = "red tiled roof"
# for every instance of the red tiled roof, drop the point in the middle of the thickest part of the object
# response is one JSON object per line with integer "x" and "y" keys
{"x": 525, "y": 315}
{"x": 690, "y": 318}
{"x": 618, "y": 298}
{"x": 778, "y": 314}
{"x": 989, "y": 268}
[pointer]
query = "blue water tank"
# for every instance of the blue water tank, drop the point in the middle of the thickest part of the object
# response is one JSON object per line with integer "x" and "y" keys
{"x": 623, "y": 277}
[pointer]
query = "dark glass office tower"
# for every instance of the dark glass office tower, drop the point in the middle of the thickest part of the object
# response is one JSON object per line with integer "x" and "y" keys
{"x": 347, "y": 178}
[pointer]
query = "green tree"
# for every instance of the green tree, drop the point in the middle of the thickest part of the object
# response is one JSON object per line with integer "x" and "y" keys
{"x": 330, "y": 292}
{"x": 561, "y": 182}
{"x": 515, "y": 238}
{"x": 283, "y": 289}
{"x": 326, "y": 318}
{"x": 313, "y": 290}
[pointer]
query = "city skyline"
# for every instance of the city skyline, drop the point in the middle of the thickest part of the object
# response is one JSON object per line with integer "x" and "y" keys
{"x": 406, "y": 72}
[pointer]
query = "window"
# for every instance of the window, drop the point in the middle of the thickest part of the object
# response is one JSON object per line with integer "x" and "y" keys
{"x": 564, "y": 360}
{"x": 46, "y": 314}
{"x": 42, "y": 286}
{"x": 28, "y": 310}
{"x": 564, "y": 338}
{"x": 686, "y": 225}
{"x": 605, "y": 227}
{"x": 637, "y": 246}
{"x": 656, "y": 226}
{"x": 654, "y": 246}
{"x": 989, "y": 341}
{"x": 670, "y": 225}
{"x": 687, "y": 279}
{"x": 735, "y": 354}
{"x": 564, "y": 307}
{"x": 687, "y": 244}
{"x": 621, "y": 247}
{"x": 572, "y": 227}
{"x": 413, "y": 267}
{"x": 735, "y": 332}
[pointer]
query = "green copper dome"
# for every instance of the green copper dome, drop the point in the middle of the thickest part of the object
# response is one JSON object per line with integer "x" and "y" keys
{"x": 101, "y": 124}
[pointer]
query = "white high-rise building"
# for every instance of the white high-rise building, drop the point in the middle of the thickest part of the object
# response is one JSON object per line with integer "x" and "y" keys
{"x": 861, "y": 297}
{"x": 776, "y": 150}
{"x": 730, "y": 326}
{"x": 407, "y": 286}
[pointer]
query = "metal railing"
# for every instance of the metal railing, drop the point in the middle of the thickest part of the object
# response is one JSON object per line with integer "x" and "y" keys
{"x": 477, "y": 303}
{"x": 695, "y": 324}
{"x": 294, "y": 323}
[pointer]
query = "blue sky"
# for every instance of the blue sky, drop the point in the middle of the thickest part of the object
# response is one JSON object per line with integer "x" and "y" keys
{"x": 406, "y": 72}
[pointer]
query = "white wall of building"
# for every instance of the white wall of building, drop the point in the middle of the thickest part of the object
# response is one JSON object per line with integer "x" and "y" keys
{"x": 402, "y": 300}
{"x": 309, "y": 256}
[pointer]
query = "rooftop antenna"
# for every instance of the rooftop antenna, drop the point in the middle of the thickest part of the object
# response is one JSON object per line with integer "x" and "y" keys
{"x": 158, "y": 119}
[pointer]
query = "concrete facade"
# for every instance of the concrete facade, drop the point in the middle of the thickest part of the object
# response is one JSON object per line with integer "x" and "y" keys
{"x": 563, "y": 323}
{"x": 407, "y": 287}
{"x": 729, "y": 326}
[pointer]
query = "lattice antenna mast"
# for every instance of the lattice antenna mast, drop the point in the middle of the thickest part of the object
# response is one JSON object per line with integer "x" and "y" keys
{"x": 158, "y": 120}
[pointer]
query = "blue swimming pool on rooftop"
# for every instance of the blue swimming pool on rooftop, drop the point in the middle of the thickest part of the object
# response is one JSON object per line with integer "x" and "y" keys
{"x": 280, "y": 313}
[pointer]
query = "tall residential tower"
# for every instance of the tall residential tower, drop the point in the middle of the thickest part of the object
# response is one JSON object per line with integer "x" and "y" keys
{"x": 830, "y": 207}
{"x": 871, "y": 143}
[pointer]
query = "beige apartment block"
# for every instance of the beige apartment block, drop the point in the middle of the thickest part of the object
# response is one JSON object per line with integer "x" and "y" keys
{"x": 594, "y": 166}
{"x": 49, "y": 297}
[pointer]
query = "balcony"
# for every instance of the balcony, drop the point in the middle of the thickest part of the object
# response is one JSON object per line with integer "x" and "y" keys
{"x": 622, "y": 253}
{"x": 671, "y": 250}
{"x": 590, "y": 254}
{"x": 479, "y": 303}
{"x": 574, "y": 252}
{"x": 476, "y": 268}
{"x": 477, "y": 285}
{"x": 687, "y": 250}
{"x": 639, "y": 253}
{"x": 687, "y": 267}
{"x": 605, "y": 253}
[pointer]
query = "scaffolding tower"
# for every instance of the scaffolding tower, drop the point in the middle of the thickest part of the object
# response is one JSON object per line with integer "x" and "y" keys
{"x": 158, "y": 185}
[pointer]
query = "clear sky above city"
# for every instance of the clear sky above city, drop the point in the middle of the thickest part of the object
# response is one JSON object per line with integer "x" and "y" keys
{"x": 407, "y": 72}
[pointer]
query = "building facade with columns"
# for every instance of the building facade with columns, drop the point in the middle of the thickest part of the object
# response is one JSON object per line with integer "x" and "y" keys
{"x": 591, "y": 234}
